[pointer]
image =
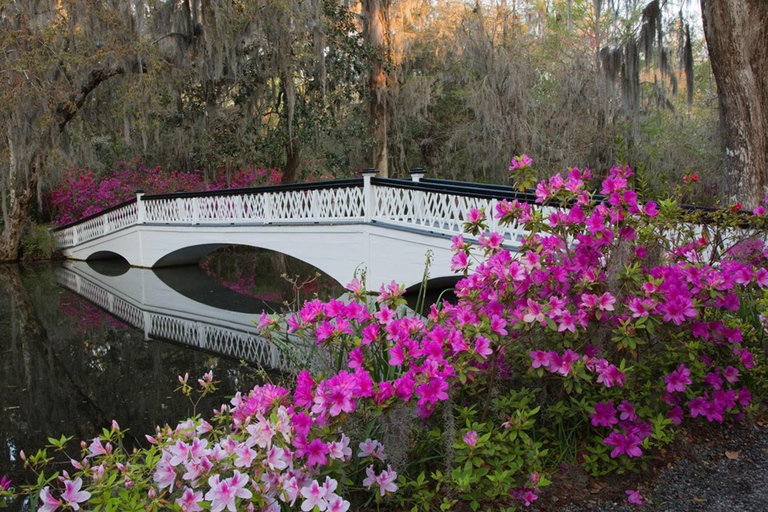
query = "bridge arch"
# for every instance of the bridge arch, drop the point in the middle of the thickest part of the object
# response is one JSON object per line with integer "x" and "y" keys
{"x": 335, "y": 252}
{"x": 105, "y": 255}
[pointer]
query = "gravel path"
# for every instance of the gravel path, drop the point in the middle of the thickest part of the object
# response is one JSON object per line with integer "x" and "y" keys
{"x": 729, "y": 473}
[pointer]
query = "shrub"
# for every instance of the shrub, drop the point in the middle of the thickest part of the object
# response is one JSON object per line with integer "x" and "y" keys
{"x": 37, "y": 243}
{"x": 614, "y": 323}
{"x": 81, "y": 193}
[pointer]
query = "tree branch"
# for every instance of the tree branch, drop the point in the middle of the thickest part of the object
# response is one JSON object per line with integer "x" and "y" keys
{"x": 66, "y": 111}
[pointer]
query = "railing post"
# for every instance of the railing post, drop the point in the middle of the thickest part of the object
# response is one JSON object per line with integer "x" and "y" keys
{"x": 267, "y": 208}
{"x": 417, "y": 173}
{"x": 75, "y": 238}
{"x": 106, "y": 224}
{"x": 368, "y": 195}
{"x": 147, "y": 320}
{"x": 195, "y": 210}
{"x": 141, "y": 213}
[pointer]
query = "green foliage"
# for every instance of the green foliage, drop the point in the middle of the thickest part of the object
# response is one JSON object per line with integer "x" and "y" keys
{"x": 37, "y": 243}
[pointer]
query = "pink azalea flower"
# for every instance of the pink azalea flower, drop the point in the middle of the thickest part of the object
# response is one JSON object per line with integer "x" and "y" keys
{"x": 539, "y": 358}
{"x": 372, "y": 448}
{"x": 634, "y": 497}
{"x": 337, "y": 504}
{"x": 49, "y": 503}
{"x": 387, "y": 480}
{"x": 165, "y": 474}
{"x": 606, "y": 302}
{"x": 697, "y": 407}
{"x": 340, "y": 450}
{"x": 567, "y": 322}
{"x": 96, "y": 448}
{"x": 483, "y": 347}
{"x": 470, "y": 438}
{"x": 314, "y": 496}
{"x": 676, "y": 415}
{"x": 520, "y": 161}
{"x": 604, "y": 415}
{"x": 624, "y": 444}
{"x": 627, "y": 411}
{"x": 189, "y": 500}
{"x": 678, "y": 379}
{"x": 223, "y": 493}
{"x": 432, "y": 391}
{"x": 316, "y": 453}
{"x": 73, "y": 495}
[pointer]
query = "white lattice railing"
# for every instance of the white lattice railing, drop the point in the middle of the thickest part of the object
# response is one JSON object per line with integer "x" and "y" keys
{"x": 327, "y": 202}
{"x": 439, "y": 212}
{"x": 436, "y": 206}
{"x": 244, "y": 345}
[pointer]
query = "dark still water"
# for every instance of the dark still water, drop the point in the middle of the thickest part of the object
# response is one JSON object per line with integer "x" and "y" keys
{"x": 67, "y": 366}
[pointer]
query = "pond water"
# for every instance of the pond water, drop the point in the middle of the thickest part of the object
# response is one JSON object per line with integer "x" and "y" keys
{"x": 83, "y": 344}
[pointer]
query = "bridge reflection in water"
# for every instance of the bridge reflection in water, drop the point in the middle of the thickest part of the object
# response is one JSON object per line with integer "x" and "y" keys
{"x": 144, "y": 300}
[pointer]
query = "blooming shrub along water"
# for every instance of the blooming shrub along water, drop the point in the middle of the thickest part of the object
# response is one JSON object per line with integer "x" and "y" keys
{"x": 615, "y": 323}
{"x": 81, "y": 193}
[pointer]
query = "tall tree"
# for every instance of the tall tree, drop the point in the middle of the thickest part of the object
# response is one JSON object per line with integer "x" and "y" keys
{"x": 53, "y": 55}
{"x": 737, "y": 38}
{"x": 376, "y": 25}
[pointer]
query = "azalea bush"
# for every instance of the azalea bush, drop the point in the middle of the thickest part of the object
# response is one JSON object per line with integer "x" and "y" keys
{"x": 614, "y": 323}
{"x": 80, "y": 193}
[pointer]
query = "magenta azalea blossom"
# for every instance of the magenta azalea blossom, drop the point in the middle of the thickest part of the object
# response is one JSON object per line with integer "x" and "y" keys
{"x": 520, "y": 161}
{"x": 628, "y": 445}
{"x": 678, "y": 379}
{"x": 604, "y": 415}
{"x": 634, "y": 497}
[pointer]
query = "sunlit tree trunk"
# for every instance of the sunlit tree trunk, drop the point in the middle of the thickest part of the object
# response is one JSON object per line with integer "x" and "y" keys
{"x": 737, "y": 39}
{"x": 376, "y": 26}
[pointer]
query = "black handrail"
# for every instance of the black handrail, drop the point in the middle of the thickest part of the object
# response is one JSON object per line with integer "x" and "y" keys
{"x": 464, "y": 188}
{"x": 97, "y": 214}
{"x": 495, "y": 191}
{"x": 291, "y": 187}
{"x": 358, "y": 182}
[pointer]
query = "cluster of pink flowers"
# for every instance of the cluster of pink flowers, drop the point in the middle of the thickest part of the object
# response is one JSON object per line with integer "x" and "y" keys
{"x": 81, "y": 193}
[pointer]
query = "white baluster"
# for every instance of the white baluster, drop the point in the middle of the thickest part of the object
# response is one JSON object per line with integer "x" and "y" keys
{"x": 147, "y": 324}
{"x": 239, "y": 210}
{"x": 140, "y": 208}
{"x": 370, "y": 199}
{"x": 195, "y": 210}
{"x": 267, "y": 208}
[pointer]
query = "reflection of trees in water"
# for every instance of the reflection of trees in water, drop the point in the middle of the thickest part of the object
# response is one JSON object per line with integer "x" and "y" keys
{"x": 64, "y": 375}
{"x": 259, "y": 273}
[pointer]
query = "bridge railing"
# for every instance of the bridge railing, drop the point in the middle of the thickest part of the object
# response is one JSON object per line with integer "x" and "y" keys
{"x": 442, "y": 207}
{"x": 332, "y": 201}
{"x": 426, "y": 205}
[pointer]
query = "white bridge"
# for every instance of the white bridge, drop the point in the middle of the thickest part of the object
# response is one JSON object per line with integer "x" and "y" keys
{"x": 384, "y": 227}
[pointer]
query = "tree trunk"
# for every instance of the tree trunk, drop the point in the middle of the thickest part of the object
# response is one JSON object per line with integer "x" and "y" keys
{"x": 15, "y": 209}
{"x": 737, "y": 39}
{"x": 376, "y": 25}
{"x": 292, "y": 160}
